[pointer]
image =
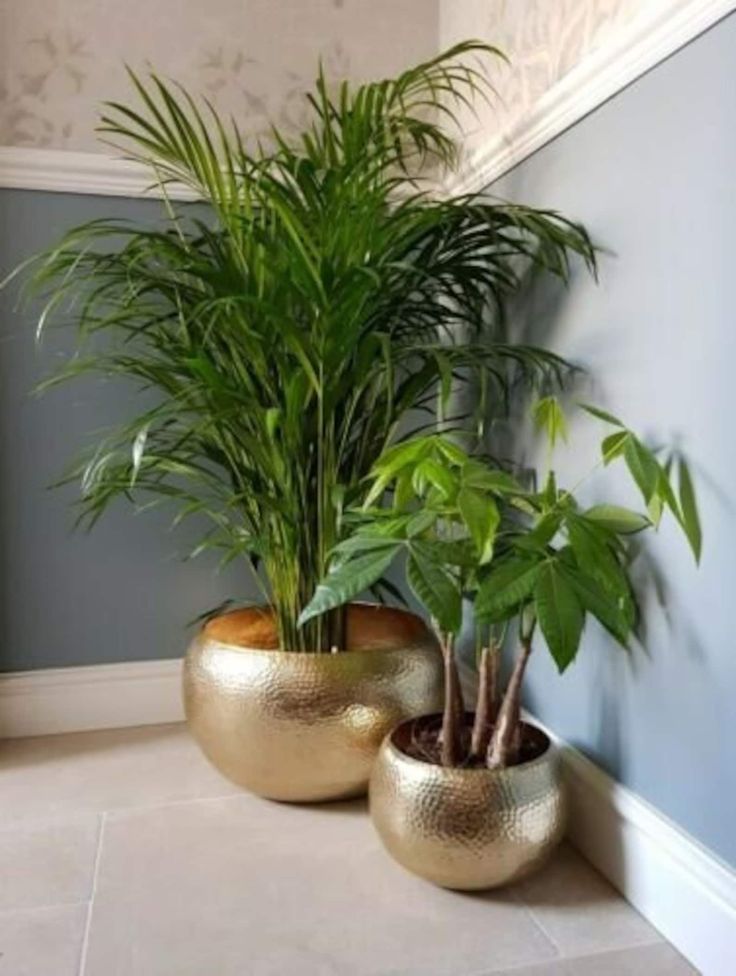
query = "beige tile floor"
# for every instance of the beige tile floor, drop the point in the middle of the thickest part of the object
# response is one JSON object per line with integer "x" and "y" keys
{"x": 125, "y": 854}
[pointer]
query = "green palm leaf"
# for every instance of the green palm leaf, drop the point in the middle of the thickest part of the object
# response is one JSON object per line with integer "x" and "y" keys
{"x": 289, "y": 325}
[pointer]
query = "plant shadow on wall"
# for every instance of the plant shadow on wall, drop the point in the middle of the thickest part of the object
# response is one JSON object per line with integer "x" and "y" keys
{"x": 539, "y": 310}
{"x": 600, "y": 697}
{"x": 317, "y": 299}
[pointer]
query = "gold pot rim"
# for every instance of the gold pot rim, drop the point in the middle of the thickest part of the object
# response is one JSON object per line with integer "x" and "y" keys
{"x": 252, "y": 629}
{"x": 306, "y": 727}
{"x": 470, "y": 771}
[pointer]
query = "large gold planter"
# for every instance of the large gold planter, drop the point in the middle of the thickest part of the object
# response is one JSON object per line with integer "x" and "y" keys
{"x": 466, "y": 828}
{"x": 306, "y": 727}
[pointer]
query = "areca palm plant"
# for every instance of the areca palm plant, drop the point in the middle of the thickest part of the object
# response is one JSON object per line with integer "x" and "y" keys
{"x": 315, "y": 296}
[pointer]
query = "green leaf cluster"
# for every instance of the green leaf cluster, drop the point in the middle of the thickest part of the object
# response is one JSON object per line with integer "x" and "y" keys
{"x": 444, "y": 518}
{"x": 654, "y": 479}
{"x": 469, "y": 529}
{"x": 286, "y": 324}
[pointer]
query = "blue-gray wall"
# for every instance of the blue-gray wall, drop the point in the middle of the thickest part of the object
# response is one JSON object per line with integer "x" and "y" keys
{"x": 651, "y": 174}
{"x": 121, "y": 592}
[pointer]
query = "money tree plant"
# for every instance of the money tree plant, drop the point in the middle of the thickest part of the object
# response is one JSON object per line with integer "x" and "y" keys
{"x": 534, "y": 558}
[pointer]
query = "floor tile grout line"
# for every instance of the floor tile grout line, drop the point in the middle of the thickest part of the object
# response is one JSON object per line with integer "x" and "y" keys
{"x": 163, "y": 804}
{"x": 563, "y": 955}
{"x": 621, "y": 949}
{"x": 23, "y": 909}
{"x": 49, "y": 821}
{"x": 62, "y": 819}
{"x": 90, "y": 905}
{"x": 519, "y": 899}
{"x": 582, "y": 957}
{"x": 242, "y": 795}
{"x": 538, "y": 923}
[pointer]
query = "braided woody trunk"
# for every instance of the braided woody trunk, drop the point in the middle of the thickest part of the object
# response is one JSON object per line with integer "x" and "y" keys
{"x": 506, "y": 740}
{"x": 454, "y": 711}
{"x": 487, "y": 706}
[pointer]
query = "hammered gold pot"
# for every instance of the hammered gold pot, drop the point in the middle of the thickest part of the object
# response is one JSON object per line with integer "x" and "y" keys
{"x": 467, "y": 828}
{"x": 306, "y": 727}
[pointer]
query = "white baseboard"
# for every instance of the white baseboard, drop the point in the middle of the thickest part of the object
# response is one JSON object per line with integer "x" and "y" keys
{"x": 101, "y": 696}
{"x": 680, "y": 887}
{"x": 685, "y": 891}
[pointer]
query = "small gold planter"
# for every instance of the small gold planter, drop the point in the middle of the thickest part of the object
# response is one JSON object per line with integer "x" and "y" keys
{"x": 466, "y": 828}
{"x": 307, "y": 727}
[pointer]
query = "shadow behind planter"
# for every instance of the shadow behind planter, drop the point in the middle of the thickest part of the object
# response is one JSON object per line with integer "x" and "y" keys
{"x": 307, "y": 727}
{"x": 467, "y": 828}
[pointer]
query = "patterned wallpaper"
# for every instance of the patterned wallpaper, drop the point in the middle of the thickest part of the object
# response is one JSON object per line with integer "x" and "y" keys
{"x": 253, "y": 58}
{"x": 543, "y": 39}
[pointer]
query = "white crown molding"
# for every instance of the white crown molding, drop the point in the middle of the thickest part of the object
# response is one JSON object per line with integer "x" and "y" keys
{"x": 61, "y": 171}
{"x": 684, "y": 890}
{"x": 659, "y": 31}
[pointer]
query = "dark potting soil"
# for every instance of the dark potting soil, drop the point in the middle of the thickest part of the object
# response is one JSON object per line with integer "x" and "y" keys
{"x": 420, "y": 739}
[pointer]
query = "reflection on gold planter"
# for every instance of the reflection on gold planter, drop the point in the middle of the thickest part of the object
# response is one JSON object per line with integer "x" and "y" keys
{"x": 466, "y": 828}
{"x": 306, "y": 727}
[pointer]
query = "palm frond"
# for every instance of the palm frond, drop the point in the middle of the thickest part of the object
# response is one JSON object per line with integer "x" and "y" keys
{"x": 290, "y": 327}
